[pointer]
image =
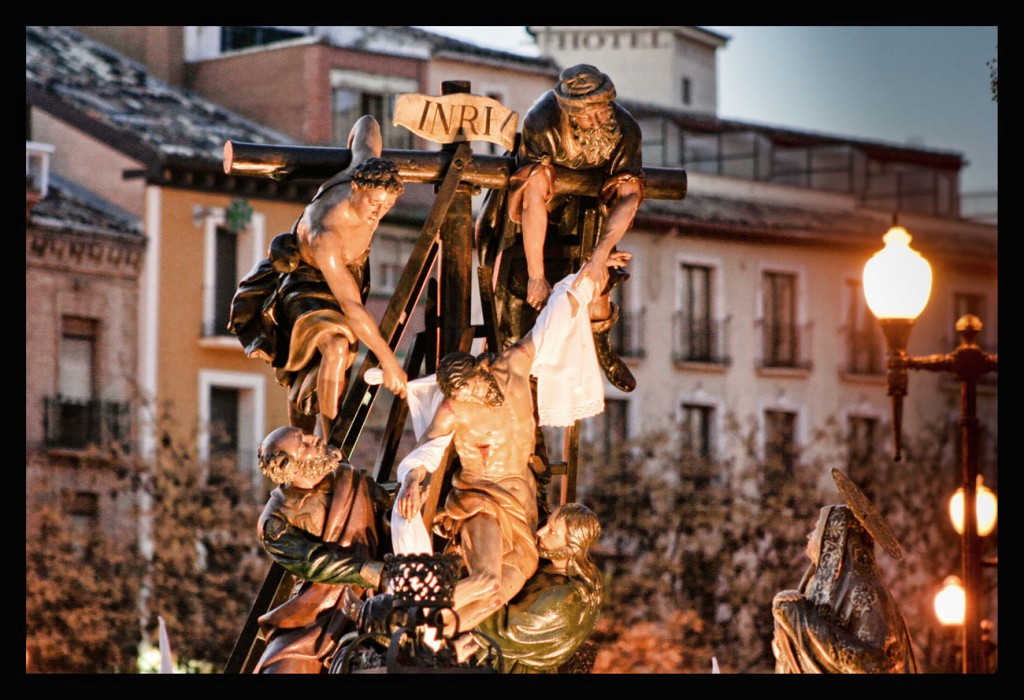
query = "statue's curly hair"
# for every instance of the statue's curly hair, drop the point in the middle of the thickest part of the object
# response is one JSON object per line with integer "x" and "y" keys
{"x": 276, "y": 465}
{"x": 375, "y": 173}
{"x": 456, "y": 368}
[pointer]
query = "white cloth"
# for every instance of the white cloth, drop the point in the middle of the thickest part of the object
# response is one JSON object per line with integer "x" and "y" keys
{"x": 423, "y": 396}
{"x": 409, "y": 536}
{"x": 569, "y": 379}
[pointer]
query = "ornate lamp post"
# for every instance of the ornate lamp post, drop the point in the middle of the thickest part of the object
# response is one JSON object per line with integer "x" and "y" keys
{"x": 897, "y": 284}
{"x": 949, "y": 605}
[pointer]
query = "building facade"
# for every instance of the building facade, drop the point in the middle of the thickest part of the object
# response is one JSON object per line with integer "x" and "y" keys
{"x": 155, "y": 329}
{"x": 83, "y": 258}
{"x": 663, "y": 66}
{"x": 745, "y": 314}
{"x": 744, "y": 311}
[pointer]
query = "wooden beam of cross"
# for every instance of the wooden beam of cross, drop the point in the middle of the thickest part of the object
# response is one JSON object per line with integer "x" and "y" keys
{"x": 286, "y": 163}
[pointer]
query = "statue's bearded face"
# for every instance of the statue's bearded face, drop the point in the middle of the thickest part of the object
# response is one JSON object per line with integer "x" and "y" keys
{"x": 481, "y": 388}
{"x": 318, "y": 466}
{"x": 289, "y": 453}
{"x": 596, "y": 131}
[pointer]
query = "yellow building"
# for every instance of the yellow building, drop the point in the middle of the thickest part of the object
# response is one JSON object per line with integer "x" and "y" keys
{"x": 155, "y": 152}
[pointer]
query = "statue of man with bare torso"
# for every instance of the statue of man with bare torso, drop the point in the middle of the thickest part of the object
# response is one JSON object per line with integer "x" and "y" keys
{"x": 303, "y": 308}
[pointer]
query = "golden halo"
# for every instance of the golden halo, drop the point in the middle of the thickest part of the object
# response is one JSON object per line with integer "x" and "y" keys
{"x": 866, "y": 514}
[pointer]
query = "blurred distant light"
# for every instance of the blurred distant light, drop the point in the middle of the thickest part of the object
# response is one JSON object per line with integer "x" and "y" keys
{"x": 950, "y": 602}
{"x": 985, "y": 505}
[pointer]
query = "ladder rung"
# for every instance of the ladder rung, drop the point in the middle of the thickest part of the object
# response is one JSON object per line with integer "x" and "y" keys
{"x": 558, "y": 468}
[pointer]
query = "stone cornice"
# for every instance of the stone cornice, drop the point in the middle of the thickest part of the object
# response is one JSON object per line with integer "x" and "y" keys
{"x": 86, "y": 252}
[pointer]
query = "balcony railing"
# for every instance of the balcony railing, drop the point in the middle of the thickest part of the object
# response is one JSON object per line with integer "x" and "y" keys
{"x": 699, "y": 339}
{"x": 77, "y": 424}
{"x": 628, "y": 333}
{"x": 785, "y": 345}
{"x": 697, "y": 469}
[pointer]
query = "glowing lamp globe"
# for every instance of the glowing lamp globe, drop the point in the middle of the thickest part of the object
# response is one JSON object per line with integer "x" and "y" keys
{"x": 897, "y": 280}
{"x": 985, "y": 509}
{"x": 951, "y": 602}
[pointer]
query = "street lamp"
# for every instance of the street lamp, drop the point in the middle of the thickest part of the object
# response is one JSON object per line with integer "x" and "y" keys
{"x": 897, "y": 284}
{"x": 950, "y": 601}
{"x": 949, "y": 605}
{"x": 985, "y": 504}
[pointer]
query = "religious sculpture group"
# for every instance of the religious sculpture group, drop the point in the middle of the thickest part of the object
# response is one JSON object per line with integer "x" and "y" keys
{"x": 528, "y": 583}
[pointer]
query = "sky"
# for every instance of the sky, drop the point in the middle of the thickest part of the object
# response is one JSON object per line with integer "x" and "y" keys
{"x": 908, "y": 85}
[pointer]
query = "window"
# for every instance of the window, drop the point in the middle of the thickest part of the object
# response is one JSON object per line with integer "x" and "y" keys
{"x": 779, "y": 450}
{"x": 864, "y": 352}
{"x": 226, "y": 278}
{"x": 75, "y": 417}
{"x": 224, "y": 402}
{"x": 686, "y": 91}
{"x": 235, "y": 38}
{"x": 791, "y": 166}
{"x": 356, "y": 94}
{"x": 609, "y": 431}
{"x": 696, "y": 421}
{"x": 964, "y": 303}
{"x": 231, "y": 417}
{"x": 695, "y": 430}
{"x": 905, "y": 187}
{"x": 627, "y": 334}
{"x": 973, "y": 304}
{"x": 69, "y": 420}
{"x": 77, "y": 368}
{"x": 780, "y": 332}
{"x": 387, "y": 262}
{"x": 37, "y": 163}
{"x": 695, "y": 339}
{"x": 745, "y": 155}
{"x": 83, "y": 509}
{"x": 861, "y": 438}
{"x": 230, "y": 255}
